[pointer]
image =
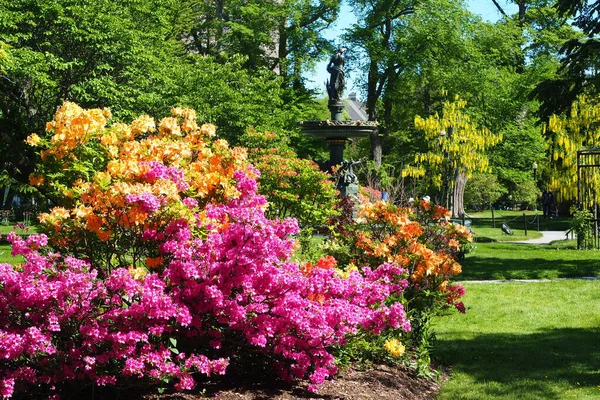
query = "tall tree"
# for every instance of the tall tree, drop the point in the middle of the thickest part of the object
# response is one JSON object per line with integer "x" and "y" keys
{"x": 580, "y": 66}
{"x": 285, "y": 35}
{"x": 376, "y": 37}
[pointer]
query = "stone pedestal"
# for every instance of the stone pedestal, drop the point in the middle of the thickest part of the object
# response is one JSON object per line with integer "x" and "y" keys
{"x": 336, "y": 151}
{"x": 336, "y": 108}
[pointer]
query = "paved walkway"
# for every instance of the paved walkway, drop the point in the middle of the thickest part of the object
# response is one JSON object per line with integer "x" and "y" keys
{"x": 547, "y": 237}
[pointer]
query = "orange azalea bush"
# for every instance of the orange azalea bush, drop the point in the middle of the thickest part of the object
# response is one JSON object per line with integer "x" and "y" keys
{"x": 419, "y": 239}
{"x": 107, "y": 181}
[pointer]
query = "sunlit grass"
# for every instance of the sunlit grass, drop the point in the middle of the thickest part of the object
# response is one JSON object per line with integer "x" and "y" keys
{"x": 524, "y": 261}
{"x": 6, "y": 258}
{"x": 485, "y": 234}
{"x": 523, "y": 341}
{"x": 515, "y": 219}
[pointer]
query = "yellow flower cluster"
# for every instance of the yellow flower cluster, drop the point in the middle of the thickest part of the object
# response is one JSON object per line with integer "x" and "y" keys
{"x": 394, "y": 347}
{"x": 578, "y": 129}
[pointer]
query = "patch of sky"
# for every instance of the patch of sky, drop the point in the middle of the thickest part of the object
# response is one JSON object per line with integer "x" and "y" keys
{"x": 315, "y": 79}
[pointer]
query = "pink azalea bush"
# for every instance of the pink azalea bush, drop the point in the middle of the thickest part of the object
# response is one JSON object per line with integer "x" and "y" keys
{"x": 191, "y": 283}
{"x": 61, "y": 322}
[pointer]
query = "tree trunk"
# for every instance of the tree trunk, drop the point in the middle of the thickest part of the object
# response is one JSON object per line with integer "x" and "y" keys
{"x": 458, "y": 194}
{"x": 372, "y": 112}
{"x": 282, "y": 53}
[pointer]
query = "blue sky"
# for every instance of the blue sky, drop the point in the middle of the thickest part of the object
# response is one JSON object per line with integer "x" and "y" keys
{"x": 485, "y": 8}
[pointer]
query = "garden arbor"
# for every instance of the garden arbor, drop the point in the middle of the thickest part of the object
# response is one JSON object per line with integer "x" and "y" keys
{"x": 588, "y": 186}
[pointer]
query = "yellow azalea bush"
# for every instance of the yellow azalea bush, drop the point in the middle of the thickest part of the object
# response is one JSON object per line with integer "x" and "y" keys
{"x": 107, "y": 180}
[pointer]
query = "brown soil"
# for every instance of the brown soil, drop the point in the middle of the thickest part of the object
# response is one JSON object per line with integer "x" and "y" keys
{"x": 381, "y": 382}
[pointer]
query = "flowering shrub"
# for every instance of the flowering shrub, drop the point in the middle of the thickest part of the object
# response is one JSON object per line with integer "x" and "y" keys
{"x": 161, "y": 263}
{"x": 369, "y": 194}
{"x": 425, "y": 245}
{"x": 419, "y": 240}
{"x": 118, "y": 186}
{"x": 294, "y": 187}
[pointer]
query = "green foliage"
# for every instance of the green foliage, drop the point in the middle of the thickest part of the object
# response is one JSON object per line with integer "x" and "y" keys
{"x": 522, "y": 146}
{"x": 277, "y": 35}
{"x": 526, "y": 194}
{"x": 293, "y": 186}
{"x": 482, "y": 190}
{"x": 579, "y": 64}
{"x": 583, "y": 226}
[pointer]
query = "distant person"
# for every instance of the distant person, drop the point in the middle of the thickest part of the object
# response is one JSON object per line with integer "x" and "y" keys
{"x": 547, "y": 203}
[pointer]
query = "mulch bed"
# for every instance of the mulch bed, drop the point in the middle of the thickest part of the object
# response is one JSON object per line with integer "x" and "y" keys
{"x": 380, "y": 382}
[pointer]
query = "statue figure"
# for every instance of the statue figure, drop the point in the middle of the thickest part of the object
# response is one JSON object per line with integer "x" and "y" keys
{"x": 347, "y": 170}
{"x": 337, "y": 82}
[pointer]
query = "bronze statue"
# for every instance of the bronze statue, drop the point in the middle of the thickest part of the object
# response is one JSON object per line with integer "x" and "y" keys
{"x": 347, "y": 170}
{"x": 337, "y": 82}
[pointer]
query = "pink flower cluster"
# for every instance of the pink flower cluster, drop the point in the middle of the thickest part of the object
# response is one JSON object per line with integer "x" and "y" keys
{"x": 147, "y": 201}
{"x": 160, "y": 171}
{"x": 220, "y": 296}
{"x": 455, "y": 292}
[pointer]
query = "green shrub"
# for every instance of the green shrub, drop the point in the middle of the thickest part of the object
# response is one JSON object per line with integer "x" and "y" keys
{"x": 582, "y": 225}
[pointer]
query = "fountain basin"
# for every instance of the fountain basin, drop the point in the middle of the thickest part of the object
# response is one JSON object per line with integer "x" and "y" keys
{"x": 338, "y": 130}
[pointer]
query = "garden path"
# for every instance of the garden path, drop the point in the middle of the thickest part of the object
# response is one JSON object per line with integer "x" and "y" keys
{"x": 547, "y": 237}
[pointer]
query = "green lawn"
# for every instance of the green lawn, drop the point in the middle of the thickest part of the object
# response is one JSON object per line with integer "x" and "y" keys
{"x": 488, "y": 234}
{"x": 524, "y": 261}
{"x": 6, "y": 258}
{"x": 515, "y": 220}
{"x": 523, "y": 341}
{"x": 6, "y": 229}
{"x": 486, "y": 229}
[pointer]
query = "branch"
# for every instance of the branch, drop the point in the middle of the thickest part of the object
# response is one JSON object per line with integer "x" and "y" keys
{"x": 406, "y": 11}
{"x": 499, "y": 8}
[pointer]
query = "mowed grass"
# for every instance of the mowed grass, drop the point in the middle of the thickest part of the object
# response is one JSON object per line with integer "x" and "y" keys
{"x": 525, "y": 261}
{"x": 486, "y": 235}
{"x": 515, "y": 219}
{"x": 484, "y": 230}
{"x": 538, "y": 340}
{"x": 6, "y": 258}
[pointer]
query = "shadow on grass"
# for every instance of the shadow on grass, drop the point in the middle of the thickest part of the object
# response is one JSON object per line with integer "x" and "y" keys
{"x": 509, "y": 365}
{"x": 509, "y": 261}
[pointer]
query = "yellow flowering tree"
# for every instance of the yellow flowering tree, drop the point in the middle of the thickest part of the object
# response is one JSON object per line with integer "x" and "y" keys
{"x": 566, "y": 134}
{"x": 456, "y": 149}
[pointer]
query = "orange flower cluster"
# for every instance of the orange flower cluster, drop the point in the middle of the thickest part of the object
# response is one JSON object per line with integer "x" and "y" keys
{"x": 327, "y": 262}
{"x": 96, "y": 167}
{"x": 420, "y": 240}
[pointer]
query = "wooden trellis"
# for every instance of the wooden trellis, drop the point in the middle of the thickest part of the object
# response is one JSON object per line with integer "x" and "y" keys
{"x": 588, "y": 186}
